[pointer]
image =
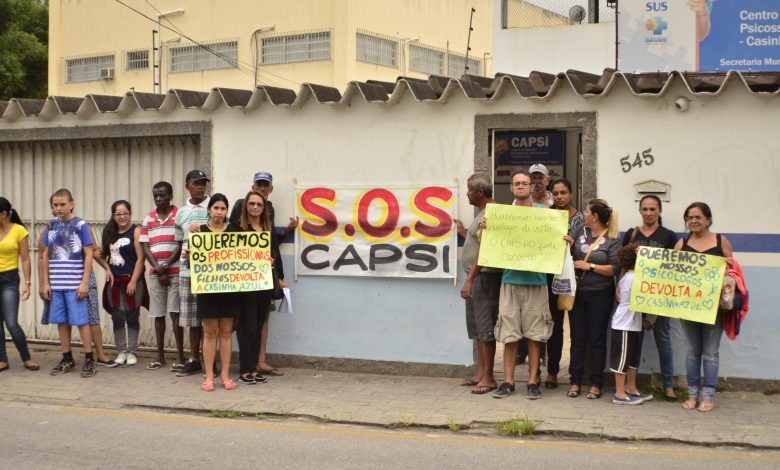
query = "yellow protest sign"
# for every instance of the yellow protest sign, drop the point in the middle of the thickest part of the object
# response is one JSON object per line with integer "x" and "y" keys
{"x": 230, "y": 262}
{"x": 679, "y": 284}
{"x": 524, "y": 238}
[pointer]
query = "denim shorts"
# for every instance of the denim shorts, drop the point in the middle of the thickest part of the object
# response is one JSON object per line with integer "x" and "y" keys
{"x": 66, "y": 307}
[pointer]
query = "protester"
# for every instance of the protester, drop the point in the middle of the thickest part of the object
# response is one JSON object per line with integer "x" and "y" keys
{"x": 262, "y": 183}
{"x": 254, "y": 304}
{"x": 67, "y": 262}
{"x": 703, "y": 340}
{"x": 162, "y": 248}
{"x": 626, "y": 346}
{"x": 217, "y": 311}
{"x": 595, "y": 252}
{"x": 652, "y": 233}
{"x": 481, "y": 289}
{"x": 540, "y": 178}
{"x": 523, "y": 310}
{"x": 125, "y": 292}
{"x": 14, "y": 246}
{"x": 194, "y": 212}
{"x": 562, "y": 195}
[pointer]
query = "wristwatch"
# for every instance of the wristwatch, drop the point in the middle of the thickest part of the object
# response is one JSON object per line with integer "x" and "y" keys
{"x": 592, "y": 267}
{"x": 164, "y": 265}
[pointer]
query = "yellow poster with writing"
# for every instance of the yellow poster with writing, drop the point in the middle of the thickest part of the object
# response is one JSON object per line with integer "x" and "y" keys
{"x": 524, "y": 238}
{"x": 230, "y": 262}
{"x": 679, "y": 284}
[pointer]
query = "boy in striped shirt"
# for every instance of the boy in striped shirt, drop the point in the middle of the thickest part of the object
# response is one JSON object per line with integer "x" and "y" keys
{"x": 67, "y": 263}
{"x": 162, "y": 247}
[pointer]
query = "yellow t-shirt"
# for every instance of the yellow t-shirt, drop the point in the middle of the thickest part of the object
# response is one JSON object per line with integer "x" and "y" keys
{"x": 9, "y": 247}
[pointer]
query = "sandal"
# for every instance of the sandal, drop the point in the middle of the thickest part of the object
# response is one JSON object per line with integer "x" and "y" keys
{"x": 273, "y": 372}
{"x": 706, "y": 405}
{"x": 574, "y": 393}
{"x": 593, "y": 395}
{"x": 469, "y": 383}
{"x": 31, "y": 366}
{"x": 690, "y": 403}
{"x": 670, "y": 395}
{"x": 207, "y": 386}
{"x": 228, "y": 384}
{"x": 177, "y": 367}
{"x": 154, "y": 365}
{"x": 482, "y": 389}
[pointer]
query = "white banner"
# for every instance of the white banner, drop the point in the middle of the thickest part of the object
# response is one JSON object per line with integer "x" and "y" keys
{"x": 398, "y": 231}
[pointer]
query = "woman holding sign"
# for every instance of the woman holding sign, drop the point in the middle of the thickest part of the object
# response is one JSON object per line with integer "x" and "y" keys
{"x": 595, "y": 251}
{"x": 652, "y": 233}
{"x": 703, "y": 339}
{"x": 254, "y": 304}
{"x": 217, "y": 311}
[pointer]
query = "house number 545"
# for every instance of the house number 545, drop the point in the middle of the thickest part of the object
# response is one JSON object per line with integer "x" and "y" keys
{"x": 645, "y": 157}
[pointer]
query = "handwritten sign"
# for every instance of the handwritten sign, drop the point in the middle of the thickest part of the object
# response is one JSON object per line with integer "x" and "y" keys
{"x": 230, "y": 262}
{"x": 524, "y": 238}
{"x": 678, "y": 284}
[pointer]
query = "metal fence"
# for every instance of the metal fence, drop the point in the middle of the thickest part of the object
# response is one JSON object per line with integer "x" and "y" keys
{"x": 542, "y": 13}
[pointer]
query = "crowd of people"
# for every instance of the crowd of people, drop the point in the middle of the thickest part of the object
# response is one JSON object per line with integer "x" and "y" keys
{"x": 68, "y": 287}
{"x": 512, "y": 306}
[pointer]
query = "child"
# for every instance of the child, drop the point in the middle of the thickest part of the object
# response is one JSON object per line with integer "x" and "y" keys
{"x": 67, "y": 263}
{"x": 626, "y": 347}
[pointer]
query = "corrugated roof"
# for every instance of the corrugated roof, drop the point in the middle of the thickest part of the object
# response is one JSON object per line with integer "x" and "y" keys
{"x": 537, "y": 85}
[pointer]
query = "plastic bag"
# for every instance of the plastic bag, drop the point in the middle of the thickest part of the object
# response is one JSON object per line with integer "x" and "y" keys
{"x": 565, "y": 282}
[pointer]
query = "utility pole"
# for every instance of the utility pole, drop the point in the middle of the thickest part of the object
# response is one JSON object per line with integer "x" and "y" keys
{"x": 468, "y": 42}
{"x": 156, "y": 46}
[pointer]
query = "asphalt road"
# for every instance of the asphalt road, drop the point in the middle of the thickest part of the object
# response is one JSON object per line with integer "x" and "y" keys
{"x": 36, "y": 435}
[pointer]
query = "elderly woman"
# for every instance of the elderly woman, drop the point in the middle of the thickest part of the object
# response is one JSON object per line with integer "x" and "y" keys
{"x": 703, "y": 339}
{"x": 595, "y": 251}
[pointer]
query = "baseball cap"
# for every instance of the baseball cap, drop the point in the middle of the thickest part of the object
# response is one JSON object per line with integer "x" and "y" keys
{"x": 539, "y": 168}
{"x": 196, "y": 175}
{"x": 263, "y": 176}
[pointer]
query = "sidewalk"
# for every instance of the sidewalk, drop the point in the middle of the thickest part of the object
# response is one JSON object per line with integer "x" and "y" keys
{"x": 739, "y": 419}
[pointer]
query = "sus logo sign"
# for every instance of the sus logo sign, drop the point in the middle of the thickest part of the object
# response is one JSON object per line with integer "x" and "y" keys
{"x": 377, "y": 231}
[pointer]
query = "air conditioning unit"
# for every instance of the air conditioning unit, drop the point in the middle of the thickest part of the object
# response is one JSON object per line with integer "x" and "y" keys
{"x": 107, "y": 73}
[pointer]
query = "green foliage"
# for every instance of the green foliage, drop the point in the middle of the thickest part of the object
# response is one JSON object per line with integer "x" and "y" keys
{"x": 228, "y": 414}
{"x": 453, "y": 425}
{"x": 24, "y": 38}
{"x": 521, "y": 426}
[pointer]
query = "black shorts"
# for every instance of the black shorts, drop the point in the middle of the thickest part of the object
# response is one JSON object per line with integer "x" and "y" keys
{"x": 625, "y": 351}
{"x": 482, "y": 308}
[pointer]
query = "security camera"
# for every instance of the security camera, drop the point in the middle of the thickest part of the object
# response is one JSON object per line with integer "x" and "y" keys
{"x": 682, "y": 104}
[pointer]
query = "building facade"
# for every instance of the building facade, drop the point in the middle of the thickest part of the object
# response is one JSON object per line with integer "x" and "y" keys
{"x": 109, "y": 47}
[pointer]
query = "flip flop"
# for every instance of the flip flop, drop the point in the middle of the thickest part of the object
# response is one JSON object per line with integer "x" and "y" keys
{"x": 154, "y": 365}
{"x": 272, "y": 372}
{"x": 6, "y": 366}
{"x": 469, "y": 383}
{"x": 483, "y": 389}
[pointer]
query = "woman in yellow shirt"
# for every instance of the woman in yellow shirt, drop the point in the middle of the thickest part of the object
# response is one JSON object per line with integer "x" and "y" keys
{"x": 13, "y": 246}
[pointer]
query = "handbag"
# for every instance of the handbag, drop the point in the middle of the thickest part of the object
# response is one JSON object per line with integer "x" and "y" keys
{"x": 566, "y": 302}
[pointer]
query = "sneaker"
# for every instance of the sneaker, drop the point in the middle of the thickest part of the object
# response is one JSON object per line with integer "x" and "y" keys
{"x": 131, "y": 359}
{"x": 121, "y": 358}
{"x": 504, "y": 390}
{"x": 107, "y": 363}
{"x": 64, "y": 366}
{"x": 177, "y": 366}
{"x": 190, "y": 368}
{"x": 629, "y": 400}
{"x": 246, "y": 379}
{"x": 88, "y": 369}
{"x": 260, "y": 379}
{"x": 533, "y": 392}
{"x": 641, "y": 396}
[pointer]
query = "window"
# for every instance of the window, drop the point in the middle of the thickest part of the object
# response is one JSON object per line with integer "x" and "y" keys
{"x": 137, "y": 60}
{"x": 302, "y": 47}
{"x": 422, "y": 59}
{"x": 195, "y": 57}
{"x": 457, "y": 66}
{"x": 377, "y": 50}
{"x": 85, "y": 69}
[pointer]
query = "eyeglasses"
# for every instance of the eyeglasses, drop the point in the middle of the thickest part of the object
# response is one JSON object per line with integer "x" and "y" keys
{"x": 694, "y": 218}
{"x": 521, "y": 185}
{"x": 122, "y": 214}
{"x": 254, "y": 204}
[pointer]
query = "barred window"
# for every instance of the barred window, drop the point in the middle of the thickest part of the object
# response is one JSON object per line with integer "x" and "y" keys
{"x": 457, "y": 66}
{"x": 85, "y": 69}
{"x": 422, "y": 59}
{"x": 195, "y": 57}
{"x": 377, "y": 50}
{"x": 303, "y": 47}
{"x": 137, "y": 59}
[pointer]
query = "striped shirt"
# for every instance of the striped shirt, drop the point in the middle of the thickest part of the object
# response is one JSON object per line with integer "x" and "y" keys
{"x": 162, "y": 238}
{"x": 65, "y": 241}
{"x": 188, "y": 215}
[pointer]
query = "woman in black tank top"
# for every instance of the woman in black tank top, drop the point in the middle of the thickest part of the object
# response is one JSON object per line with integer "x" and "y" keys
{"x": 703, "y": 339}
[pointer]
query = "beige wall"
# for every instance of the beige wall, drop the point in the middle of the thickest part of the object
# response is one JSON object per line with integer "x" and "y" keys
{"x": 79, "y": 27}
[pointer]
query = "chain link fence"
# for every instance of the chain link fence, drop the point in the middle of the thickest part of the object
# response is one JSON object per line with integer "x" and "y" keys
{"x": 542, "y": 13}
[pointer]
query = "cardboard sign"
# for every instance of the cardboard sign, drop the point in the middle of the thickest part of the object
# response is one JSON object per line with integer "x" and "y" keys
{"x": 524, "y": 238}
{"x": 230, "y": 262}
{"x": 679, "y": 284}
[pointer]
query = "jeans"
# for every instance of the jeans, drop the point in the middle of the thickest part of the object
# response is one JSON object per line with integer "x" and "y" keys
{"x": 254, "y": 313}
{"x": 703, "y": 344}
{"x": 555, "y": 343}
{"x": 663, "y": 342}
{"x": 9, "y": 304}
{"x": 588, "y": 322}
{"x": 126, "y": 343}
